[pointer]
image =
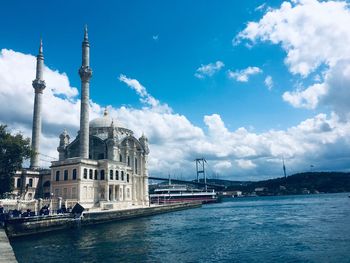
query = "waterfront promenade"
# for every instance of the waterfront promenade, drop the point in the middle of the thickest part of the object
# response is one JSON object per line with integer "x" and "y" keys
{"x": 6, "y": 253}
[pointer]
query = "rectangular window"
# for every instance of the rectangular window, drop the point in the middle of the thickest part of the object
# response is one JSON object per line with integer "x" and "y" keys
{"x": 74, "y": 192}
{"x": 30, "y": 182}
{"x": 90, "y": 174}
{"x": 120, "y": 158}
{"x": 65, "y": 175}
{"x": 128, "y": 160}
{"x": 74, "y": 174}
{"x": 95, "y": 175}
{"x": 110, "y": 174}
{"x": 136, "y": 165}
{"x": 102, "y": 174}
{"x": 85, "y": 173}
{"x": 116, "y": 175}
{"x": 18, "y": 185}
{"x": 57, "y": 192}
{"x": 64, "y": 193}
{"x": 127, "y": 177}
{"x": 57, "y": 176}
{"x": 122, "y": 175}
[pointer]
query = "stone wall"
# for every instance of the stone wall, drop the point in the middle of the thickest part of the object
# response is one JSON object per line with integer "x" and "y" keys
{"x": 35, "y": 225}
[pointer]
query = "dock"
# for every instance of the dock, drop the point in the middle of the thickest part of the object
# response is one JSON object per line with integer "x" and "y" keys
{"x": 16, "y": 227}
{"x": 6, "y": 251}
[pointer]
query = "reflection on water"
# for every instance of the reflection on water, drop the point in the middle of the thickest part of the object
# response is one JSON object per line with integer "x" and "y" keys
{"x": 271, "y": 229}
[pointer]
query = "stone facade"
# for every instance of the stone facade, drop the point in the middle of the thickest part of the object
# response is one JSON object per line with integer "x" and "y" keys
{"x": 115, "y": 174}
{"x": 105, "y": 166}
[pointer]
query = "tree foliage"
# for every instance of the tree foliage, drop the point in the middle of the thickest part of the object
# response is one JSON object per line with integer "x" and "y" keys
{"x": 14, "y": 149}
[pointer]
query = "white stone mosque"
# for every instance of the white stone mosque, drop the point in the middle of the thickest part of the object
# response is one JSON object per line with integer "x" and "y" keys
{"x": 105, "y": 166}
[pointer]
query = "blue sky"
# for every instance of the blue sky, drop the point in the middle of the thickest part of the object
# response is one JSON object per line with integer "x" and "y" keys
{"x": 162, "y": 44}
{"x": 190, "y": 33}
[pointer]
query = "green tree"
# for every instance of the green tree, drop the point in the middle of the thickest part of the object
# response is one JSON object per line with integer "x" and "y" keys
{"x": 14, "y": 149}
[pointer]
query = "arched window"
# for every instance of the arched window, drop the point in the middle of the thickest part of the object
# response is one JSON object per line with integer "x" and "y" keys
{"x": 85, "y": 173}
{"x": 102, "y": 174}
{"x": 122, "y": 175}
{"x": 110, "y": 174}
{"x": 90, "y": 174}
{"x": 127, "y": 177}
{"x": 30, "y": 182}
{"x": 57, "y": 176}
{"x": 74, "y": 174}
{"x": 95, "y": 175}
{"x": 116, "y": 175}
{"x": 65, "y": 175}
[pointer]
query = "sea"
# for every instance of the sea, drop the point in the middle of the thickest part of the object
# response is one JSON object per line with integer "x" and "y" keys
{"x": 302, "y": 228}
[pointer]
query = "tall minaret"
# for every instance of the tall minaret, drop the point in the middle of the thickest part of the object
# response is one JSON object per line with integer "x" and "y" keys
{"x": 38, "y": 85}
{"x": 85, "y": 73}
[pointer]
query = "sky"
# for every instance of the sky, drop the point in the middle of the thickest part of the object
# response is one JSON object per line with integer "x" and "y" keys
{"x": 240, "y": 83}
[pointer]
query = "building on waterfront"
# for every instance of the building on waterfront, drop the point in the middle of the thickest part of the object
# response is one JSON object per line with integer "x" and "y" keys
{"x": 105, "y": 166}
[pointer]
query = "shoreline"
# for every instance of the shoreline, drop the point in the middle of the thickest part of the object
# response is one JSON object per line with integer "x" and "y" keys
{"x": 17, "y": 227}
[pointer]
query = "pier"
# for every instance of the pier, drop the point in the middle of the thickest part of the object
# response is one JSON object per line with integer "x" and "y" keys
{"x": 7, "y": 254}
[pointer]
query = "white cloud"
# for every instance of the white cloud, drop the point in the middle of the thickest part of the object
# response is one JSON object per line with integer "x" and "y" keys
{"x": 261, "y": 7}
{"x": 316, "y": 37}
{"x": 308, "y": 98}
{"x": 243, "y": 75}
{"x": 145, "y": 97}
{"x": 268, "y": 82}
{"x": 209, "y": 69}
{"x": 174, "y": 140}
{"x": 245, "y": 164}
{"x": 307, "y": 30}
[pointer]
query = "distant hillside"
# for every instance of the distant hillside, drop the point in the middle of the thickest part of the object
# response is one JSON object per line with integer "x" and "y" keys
{"x": 313, "y": 182}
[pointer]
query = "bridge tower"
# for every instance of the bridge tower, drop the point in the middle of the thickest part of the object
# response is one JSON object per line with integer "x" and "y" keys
{"x": 200, "y": 169}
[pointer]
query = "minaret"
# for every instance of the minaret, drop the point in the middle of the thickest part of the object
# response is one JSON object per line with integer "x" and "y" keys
{"x": 38, "y": 85}
{"x": 85, "y": 74}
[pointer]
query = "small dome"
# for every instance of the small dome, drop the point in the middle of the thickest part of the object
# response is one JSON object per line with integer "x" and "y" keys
{"x": 105, "y": 121}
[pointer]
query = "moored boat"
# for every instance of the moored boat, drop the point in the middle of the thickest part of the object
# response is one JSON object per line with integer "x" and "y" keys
{"x": 175, "y": 193}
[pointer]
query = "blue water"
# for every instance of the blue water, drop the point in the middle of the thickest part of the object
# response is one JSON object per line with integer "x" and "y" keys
{"x": 314, "y": 228}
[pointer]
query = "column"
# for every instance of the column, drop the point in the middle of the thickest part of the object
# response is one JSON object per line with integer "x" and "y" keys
{"x": 134, "y": 189}
{"x": 107, "y": 192}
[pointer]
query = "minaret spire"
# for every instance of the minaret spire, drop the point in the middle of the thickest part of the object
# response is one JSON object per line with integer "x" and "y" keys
{"x": 86, "y": 38}
{"x": 85, "y": 73}
{"x": 38, "y": 85}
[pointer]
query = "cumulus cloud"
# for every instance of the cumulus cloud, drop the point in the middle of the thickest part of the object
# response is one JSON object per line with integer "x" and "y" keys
{"x": 307, "y": 31}
{"x": 268, "y": 82}
{"x": 209, "y": 69}
{"x": 244, "y": 74}
{"x": 174, "y": 140}
{"x": 145, "y": 97}
{"x": 315, "y": 36}
{"x": 245, "y": 164}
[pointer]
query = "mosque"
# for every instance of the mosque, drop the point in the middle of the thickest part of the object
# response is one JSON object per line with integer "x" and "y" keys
{"x": 105, "y": 166}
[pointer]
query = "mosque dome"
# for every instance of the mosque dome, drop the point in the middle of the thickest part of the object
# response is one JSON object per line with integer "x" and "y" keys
{"x": 104, "y": 121}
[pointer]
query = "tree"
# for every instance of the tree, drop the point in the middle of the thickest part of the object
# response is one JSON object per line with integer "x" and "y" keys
{"x": 14, "y": 149}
